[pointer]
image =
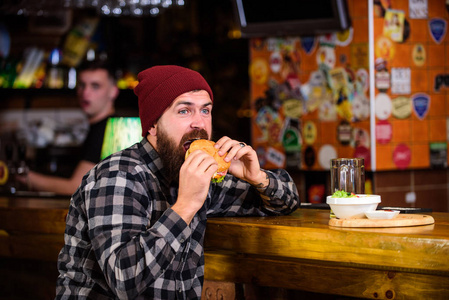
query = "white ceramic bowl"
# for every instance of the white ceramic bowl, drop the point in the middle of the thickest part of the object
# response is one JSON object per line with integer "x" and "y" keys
{"x": 354, "y": 207}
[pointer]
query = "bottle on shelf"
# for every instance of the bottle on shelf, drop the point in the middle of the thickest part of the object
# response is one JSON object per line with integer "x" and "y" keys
{"x": 55, "y": 72}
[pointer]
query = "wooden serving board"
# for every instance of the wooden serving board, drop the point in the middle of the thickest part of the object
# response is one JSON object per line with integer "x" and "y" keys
{"x": 399, "y": 221}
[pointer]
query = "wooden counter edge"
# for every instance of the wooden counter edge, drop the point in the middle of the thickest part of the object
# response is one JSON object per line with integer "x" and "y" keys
{"x": 323, "y": 278}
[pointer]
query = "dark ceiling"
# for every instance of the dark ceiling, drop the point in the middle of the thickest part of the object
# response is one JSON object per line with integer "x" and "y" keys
{"x": 195, "y": 36}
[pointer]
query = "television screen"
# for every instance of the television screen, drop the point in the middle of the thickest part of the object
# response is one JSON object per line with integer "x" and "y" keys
{"x": 262, "y": 18}
{"x": 120, "y": 133}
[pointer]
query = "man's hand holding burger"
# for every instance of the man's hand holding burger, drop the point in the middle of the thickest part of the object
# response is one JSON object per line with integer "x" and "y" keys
{"x": 194, "y": 180}
{"x": 206, "y": 161}
{"x": 244, "y": 161}
{"x": 241, "y": 160}
{"x": 209, "y": 147}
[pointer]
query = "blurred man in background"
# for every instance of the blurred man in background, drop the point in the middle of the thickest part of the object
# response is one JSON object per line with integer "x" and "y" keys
{"x": 96, "y": 91}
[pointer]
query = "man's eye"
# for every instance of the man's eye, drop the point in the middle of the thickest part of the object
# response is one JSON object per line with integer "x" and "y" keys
{"x": 205, "y": 111}
{"x": 183, "y": 111}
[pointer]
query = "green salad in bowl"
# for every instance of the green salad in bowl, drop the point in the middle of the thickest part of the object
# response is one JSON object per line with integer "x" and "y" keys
{"x": 349, "y": 205}
{"x": 343, "y": 194}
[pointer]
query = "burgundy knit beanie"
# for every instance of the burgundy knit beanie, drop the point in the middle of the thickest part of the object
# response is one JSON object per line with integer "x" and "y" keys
{"x": 159, "y": 86}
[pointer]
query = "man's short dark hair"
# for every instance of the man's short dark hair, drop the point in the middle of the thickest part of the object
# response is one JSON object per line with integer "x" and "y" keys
{"x": 98, "y": 64}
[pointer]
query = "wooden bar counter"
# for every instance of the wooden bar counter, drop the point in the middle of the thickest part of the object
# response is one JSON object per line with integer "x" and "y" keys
{"x": 296, "y": 252}
{"x": 302, "y": 251}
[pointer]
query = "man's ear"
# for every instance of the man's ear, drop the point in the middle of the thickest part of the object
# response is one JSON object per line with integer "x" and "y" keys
{"x": 114, "y": 92}
{"x": 153, "y": 130}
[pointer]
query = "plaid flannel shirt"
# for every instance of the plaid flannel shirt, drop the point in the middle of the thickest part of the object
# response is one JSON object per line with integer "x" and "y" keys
{"x": 123, "y": 241}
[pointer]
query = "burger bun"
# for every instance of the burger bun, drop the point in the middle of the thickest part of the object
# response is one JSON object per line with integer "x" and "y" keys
{"x": 208, "y": 147}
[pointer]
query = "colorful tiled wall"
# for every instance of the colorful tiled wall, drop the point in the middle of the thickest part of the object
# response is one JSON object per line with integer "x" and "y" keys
{"x": 311, "y": 96}
{"x": 411, "y": 47}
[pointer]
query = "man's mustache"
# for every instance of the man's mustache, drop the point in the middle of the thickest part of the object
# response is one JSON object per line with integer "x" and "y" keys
{"x": 195, "y": 134}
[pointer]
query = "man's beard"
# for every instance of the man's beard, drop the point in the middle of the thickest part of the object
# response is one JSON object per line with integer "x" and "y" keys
{"x": 173, "y": 155}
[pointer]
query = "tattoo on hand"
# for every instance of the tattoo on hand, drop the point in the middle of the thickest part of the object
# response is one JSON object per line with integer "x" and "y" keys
{"x": 261, "y": 185}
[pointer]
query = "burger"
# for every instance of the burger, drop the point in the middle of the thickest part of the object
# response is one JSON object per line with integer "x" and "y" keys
{"x": 208, "y": 147}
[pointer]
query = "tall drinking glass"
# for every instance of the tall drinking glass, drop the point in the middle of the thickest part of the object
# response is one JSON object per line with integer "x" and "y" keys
{"x": 347, "y": 174}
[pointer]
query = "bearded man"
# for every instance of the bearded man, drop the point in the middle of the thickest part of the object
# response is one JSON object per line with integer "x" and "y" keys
{"x": 136, "y": 224}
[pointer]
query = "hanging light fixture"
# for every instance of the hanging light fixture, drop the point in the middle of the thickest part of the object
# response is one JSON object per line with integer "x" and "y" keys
{"x": 116, "y": 8}
{"x": 135, "y": 8}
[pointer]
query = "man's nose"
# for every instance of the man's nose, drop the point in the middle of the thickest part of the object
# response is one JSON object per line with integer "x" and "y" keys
{"x": 198, "y": 121}
{"x": 82, "y": 92}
